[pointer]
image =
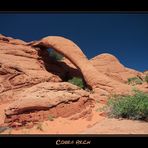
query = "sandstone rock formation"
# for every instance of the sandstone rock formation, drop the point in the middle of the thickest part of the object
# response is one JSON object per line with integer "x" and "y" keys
{"x": 70, "y": 50}
{"x": 22, "y": 66}
{"x": 111, "y": 66}
{"x": 46, "y": 95}
{"x": 35, "y": 82}
{"x": 59, "y": 99}
{"x": 27, "y": 74}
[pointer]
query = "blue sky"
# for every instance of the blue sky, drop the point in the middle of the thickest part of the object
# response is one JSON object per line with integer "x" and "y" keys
{"x": 123, "y": 35}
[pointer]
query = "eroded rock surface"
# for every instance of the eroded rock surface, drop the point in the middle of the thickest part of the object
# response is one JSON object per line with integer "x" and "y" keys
{"x": 33, "y": 82}
{"x": 94, "y": 79}
{"x": 22, "y": 66}
{"x": 58, "y": 99}
{"x": 111, "y": 66}
{"x": 46, "y": 95}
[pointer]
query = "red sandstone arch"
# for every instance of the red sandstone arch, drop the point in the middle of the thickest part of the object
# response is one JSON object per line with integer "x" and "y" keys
{"x": 70, "y": 50}
{"x": 99, "y": 82}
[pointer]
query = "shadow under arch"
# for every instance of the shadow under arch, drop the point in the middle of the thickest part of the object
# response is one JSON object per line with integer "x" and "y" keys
{"x": 60, "y": 68}
{"x": 72, "y": 52}
{"x": 93, "y": 78}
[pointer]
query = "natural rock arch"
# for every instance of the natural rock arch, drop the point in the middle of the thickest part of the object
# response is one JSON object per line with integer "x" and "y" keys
{"x": 45, "y": 95}
{"x": 71, "y": 51}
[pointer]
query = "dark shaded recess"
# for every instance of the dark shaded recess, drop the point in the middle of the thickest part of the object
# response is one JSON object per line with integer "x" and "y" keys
{"x": 58, "y": 67}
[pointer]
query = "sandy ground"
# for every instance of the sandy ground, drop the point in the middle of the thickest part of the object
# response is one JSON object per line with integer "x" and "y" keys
{"x": 97, "y": 124}
{"x": 115, "y": 126}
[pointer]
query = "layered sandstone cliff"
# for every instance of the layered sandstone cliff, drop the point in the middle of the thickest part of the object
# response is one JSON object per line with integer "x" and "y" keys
{"x": 32, "y": 81}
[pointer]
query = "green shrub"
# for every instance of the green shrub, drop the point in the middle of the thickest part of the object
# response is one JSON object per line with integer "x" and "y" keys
{"x": 51, "y": 117}
{"x": 55, "y": 55}
{"x": 40, "y": 127}
{"x": 146, "y": 78}
{"x": 130, "y": 106}
{"x": 77, "y": 81}
{"x": 135, "y": 80}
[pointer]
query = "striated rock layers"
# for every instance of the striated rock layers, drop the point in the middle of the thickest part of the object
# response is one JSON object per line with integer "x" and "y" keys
{"x": 21, "y": 66}
{"x": 40, "y": 101}
{"x": 32, "y": 81}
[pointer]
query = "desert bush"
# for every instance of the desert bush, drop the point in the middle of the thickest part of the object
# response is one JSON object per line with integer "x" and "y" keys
{"x": 146, "y": 78}
{"x": 55, "y": 55}
{"x": 130, "y": 106}
{"x": 40, "y": 127}
{"x": 77, "y": 81}
{"x": 135, "y": 80}
{"x": 51, "y": 117}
